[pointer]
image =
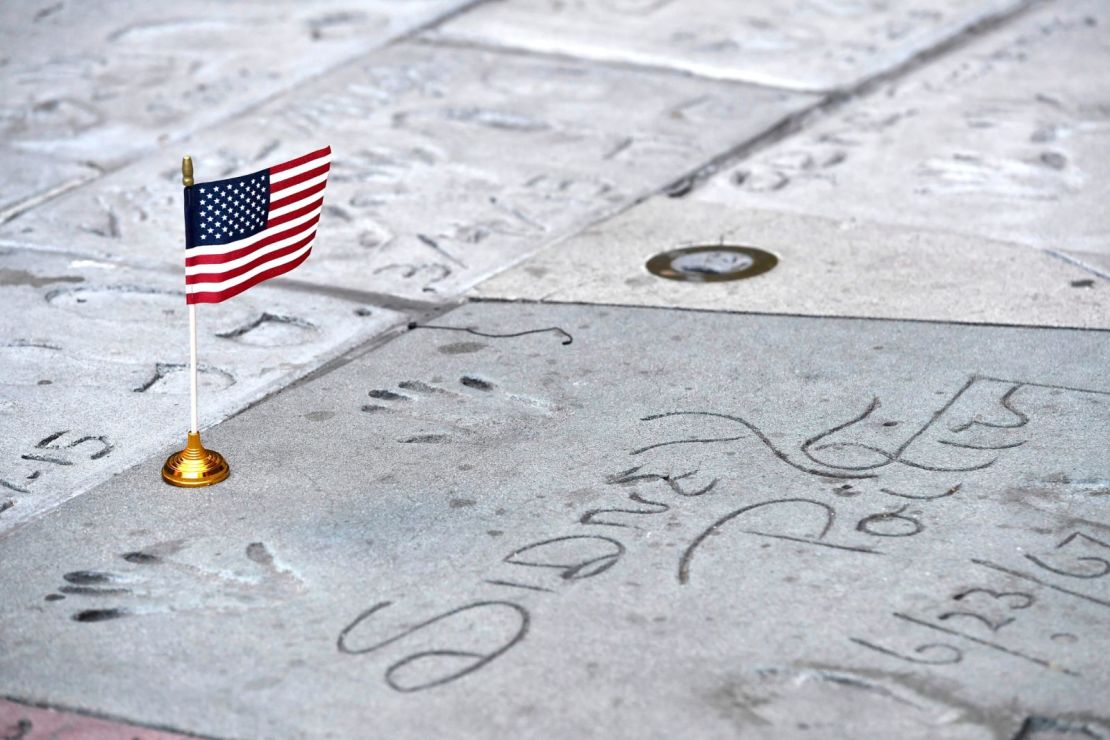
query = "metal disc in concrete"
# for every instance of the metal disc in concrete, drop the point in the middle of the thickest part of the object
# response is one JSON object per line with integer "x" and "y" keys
{"x": 825, "y": 268}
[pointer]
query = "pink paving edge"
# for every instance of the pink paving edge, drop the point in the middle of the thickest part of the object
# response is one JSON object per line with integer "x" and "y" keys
{"x": 24, "y": 722}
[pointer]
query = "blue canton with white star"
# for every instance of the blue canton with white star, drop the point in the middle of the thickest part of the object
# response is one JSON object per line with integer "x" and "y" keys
{"x": 224, "y": 211}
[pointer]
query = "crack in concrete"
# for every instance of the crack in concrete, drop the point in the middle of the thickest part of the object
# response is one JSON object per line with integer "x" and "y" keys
{"x": 1076, "y": 262}
{"x": 824, "y": 317}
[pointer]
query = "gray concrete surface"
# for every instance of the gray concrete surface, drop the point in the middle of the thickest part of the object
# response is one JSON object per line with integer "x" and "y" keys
{"x": 568, "y": 519}
{"x": 94, "y": 359}
{"x": 826, "y": 268}
{"x": 1006, "y": 139}
{"x": 88, "y": 86}
{"x": 845, "y": 528}
{"x": 796, "y": 44}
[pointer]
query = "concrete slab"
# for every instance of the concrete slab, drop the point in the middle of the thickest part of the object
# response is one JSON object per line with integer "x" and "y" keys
{"x": 795, "y": 45}
{"x": 85, "y": 83}
{"x": 448, "y": 163}
{"x": 826, "y": 268}
{"x": 24, "y": 722}
{"x": 1008, "y": 139}
{"x": 93, "y": 366}
{"x": 678, "y": 524}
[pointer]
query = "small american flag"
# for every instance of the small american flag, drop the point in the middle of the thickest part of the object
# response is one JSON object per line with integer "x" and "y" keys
{"x": 244, "y": 230}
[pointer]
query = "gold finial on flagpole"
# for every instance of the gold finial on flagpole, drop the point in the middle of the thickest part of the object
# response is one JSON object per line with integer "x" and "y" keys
{"x": 193, "y": 466}
{"x": 186, "y": 170}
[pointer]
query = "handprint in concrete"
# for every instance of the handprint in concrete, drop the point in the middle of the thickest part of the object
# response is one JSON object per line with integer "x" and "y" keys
{"x": 203, "y": 574}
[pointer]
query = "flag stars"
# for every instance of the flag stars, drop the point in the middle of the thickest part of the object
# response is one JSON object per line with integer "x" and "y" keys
{"x": 232, "y": 209}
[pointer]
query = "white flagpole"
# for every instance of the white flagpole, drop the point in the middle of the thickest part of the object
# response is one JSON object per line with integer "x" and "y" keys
{"x": 187, "y": 181}
{"x": 193, "y": 364}
{"x": 193, "y": 466}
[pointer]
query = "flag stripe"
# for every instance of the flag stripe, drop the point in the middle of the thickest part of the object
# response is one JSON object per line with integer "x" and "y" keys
{"x": 246, "y": 276}
{"x": 222, "y": 295}
{"x": 312, "y": 188}
{"x": 200, "y": 278}
{"x": 294, "y": 215}
{"x": 279, "y": 186}
{"x": 277, "y": 168}
{"x": 250, "y": 255}
{"x": 290, "y": 174}
{"x": 217, "y": 254}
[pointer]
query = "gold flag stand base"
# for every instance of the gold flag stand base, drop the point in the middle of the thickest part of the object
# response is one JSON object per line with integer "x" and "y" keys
{"x": 195, "y": 466}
